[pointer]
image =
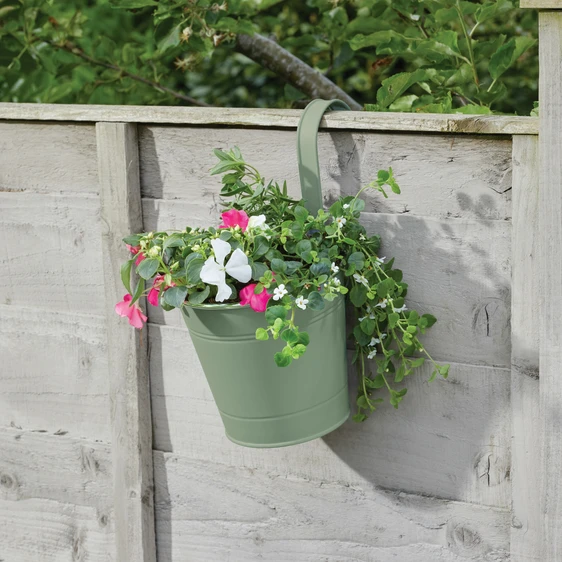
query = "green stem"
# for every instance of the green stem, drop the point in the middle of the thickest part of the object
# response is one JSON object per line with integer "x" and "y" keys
{"x": 468, "y": 44}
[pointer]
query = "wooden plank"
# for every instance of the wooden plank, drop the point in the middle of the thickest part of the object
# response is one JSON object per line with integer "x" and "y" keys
{"x": 63, "y": 392}
{"x": 457, "y": 269}
{"x": 217, "y": 513}
{"x": 449, "y": 439}
{"x": 50, "y": 252}
{"x": 271, "y": 118}
{"x": 48, "y": 157}
{"x": 440, "y": 175}
{"x": 541, "y": 4}
{"x": 550, "y": 291}
{"x": 127, "y": 349}
{"x": 55, "y": 499}
{"x": 525, "y": 474}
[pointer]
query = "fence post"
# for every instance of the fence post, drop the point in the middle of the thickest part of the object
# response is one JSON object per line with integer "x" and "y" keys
{"x": 129, "y": 392}
{"x": 550, "y": 268}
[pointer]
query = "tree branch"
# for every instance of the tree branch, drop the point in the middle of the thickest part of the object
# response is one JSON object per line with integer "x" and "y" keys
{"x": 294, "y": 71}
{"x": 80, "y": 53}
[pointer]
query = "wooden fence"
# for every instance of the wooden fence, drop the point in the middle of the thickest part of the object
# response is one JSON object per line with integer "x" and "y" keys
{"x": 111, "y": 448}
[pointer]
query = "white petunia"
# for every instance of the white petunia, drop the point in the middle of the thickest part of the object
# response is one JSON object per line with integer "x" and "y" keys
{"x": 382, "y": 304}
{"x": 257, "y": 222}
{"x": 401, "y": 309}
{"x": 279, "y": 292}
{"x": 301, "y": 302}
{"x": 340, "y": 221}
{"x": 214, "y": 271}
{"x": 361, "y": 279}
{"x": 334, "y": 267}
{"x": 374, "y": 342}
{"x": 372, "y": 354}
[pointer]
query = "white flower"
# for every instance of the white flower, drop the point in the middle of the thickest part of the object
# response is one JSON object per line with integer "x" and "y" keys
{"x": 336, "y": 281}
{"x": 214, "y": 271}
{"x": 257, "y": 222}
{"x": 346, "y": 206}
{"x": 401, "y": 309}
{"x": 372, "y": 354}
{"x": 361, "y": 279}
{"x": 279, "y": 292}
{"x": 340, "y": 221}
{"x": 334, "y": 267}
{"x": 301, "y": 302}
{"x": 362, "y": 237}
{"x": 383, "y": 336}
{"x": 380, "y": 261}
{"x": 382, "y": 304}
{"x": 374, "y": 342}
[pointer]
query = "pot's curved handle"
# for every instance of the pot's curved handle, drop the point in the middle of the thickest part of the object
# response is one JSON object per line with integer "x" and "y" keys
{"x": 307, "y": 150}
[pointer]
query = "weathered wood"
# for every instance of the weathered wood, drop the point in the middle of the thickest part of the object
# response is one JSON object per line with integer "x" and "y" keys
{"x": 457, "y": 269}
{"x": 48, "y": 157}
{"x": 280, "y": 519}
{"x": 272, "y": 118}
{"x": 550, "y": 292}
{"x": 127, "y": 349}
{"x": 55, "y": 499}
{"x": 541, "y": 4}
{"x": 51, "y": 252}
{"x": 526, "y": 466}
{"x": 54, "y": 372}
{"x": 449, "y": 438}
{"x": 440, "y": 175}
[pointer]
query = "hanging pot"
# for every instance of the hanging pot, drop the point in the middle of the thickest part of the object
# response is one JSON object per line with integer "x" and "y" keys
{"x": 263, "y": 405}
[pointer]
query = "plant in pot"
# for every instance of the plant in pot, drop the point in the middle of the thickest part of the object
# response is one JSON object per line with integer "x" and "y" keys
{"x": 263, "y": 295}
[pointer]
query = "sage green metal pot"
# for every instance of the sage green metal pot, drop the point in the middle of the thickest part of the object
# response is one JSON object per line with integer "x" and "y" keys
{"x": 261, "y": 404}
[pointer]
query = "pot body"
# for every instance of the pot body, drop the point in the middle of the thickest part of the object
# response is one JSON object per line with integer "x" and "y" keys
{"x": 261, "y": 404}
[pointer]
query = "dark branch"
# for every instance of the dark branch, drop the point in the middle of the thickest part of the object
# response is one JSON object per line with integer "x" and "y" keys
{"x": 294, "y": 71}
{"x": 80, "y": 53}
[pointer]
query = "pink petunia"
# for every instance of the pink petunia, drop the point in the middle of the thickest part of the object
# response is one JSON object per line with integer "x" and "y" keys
{"x": 257, "y": 302}
{"x": 235, "y": 218}
{"x": 152, "y": 297}
{"x": 135, "y": 250}
{"x": 132, "y": 312}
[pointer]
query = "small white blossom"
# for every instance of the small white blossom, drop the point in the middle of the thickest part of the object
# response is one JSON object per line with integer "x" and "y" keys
{"x": 279, "y": 292}
{"x": 382, "y": 304}
{"x": 336, "y": 281}
{"x": 340, "y": 221}
{"x": 301, "y": 302}
{"x": 334, "y": 267}
{"x": 374, "y": 341}
{"x": 414, "y": 17}
{"x": 380, "y": 261}
{"x": 401, "y": 309}
{"x": 372, "y": 354}
{"x": 361, "y": 279}
{"x": 346, "y": 206}
{"x": 362, "y": 237}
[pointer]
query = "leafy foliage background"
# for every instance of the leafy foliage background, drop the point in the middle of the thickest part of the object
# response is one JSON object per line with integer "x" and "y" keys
{"x": 400, "y": 55}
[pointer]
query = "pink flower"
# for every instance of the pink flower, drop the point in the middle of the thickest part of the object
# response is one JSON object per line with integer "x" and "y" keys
{"x": 257, "y": 302}
{"x": 152, "y": 297}
{"x": 132, "y": 312}
{"x": 135, "y": 250}
{"x": 235, "y": 218}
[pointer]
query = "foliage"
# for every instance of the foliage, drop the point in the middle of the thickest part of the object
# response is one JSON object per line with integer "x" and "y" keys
{"x": 295, "y": 261}
{"x": 440, "y": 55}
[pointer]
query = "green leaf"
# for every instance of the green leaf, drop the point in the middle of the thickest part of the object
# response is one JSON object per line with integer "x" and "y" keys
{"x": 147, "y": 268}
{"x": 130, "y": 4}
{"x": 258, "y": 270}
{"x": 444, "y": 371}
{"x": 262, "y": 334}
{"x": 175, "y": 296}
{"x": 358, "y": 295}
{"x": 303, "y": 248}
{"x": 133, "y": 239}
{"x": 126, "y": 274}
{"x": 385, "y": 287}
{"x": 430, "y": 320}
{"x": 174, "y": 241}
{"x": 507, "y": 54}
{"x": 193, "y": 264}
{"x": 393, "y": 87}
{"x": 278, "y": 266}
{"x": 393, "y": 319}
{"x": 368, "y": 326}
{"x": 358, "y": 418}
{"x": 274, "y": 312}
{"x": 315, "y": 301}
{"x": 282, "y": 360}
{"x": 413, "y": 318}
{"x": 357, "y": 259}
{"x": 290, "y": 336}
{"x": 261, "y": 246}
{"x": 301, "y": 214}
{"x": 138, "y": 291}
{"x": 198, "y": 297}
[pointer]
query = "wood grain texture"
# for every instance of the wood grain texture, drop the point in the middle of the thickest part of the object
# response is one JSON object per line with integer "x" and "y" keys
{"x": 459, "y": 270}
{"x": 541, "y": 4}
{"x": 55, "y": 499}
{"x": 440, "y": 175}
{"x": 281, "y": 519}
{"x": 526, "y": 466}
{"x": 550, "y": 266}
{"x": 54, "y": 372}
{"x": 270, "y": 118}
{"x": 449, "y": 439}
{"x": 48, "y": 157}
{"x": 50, "y": 252}
{"x": 129, "y": 392}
